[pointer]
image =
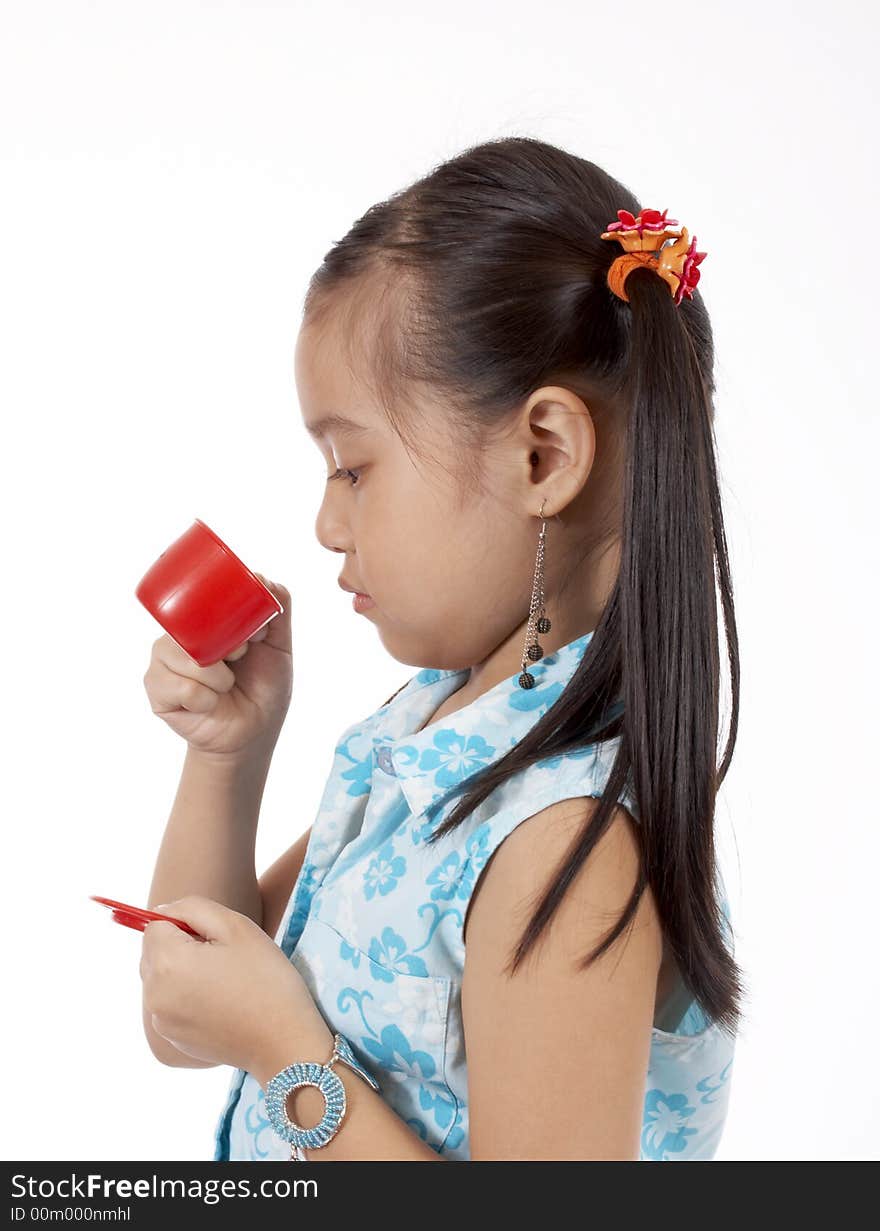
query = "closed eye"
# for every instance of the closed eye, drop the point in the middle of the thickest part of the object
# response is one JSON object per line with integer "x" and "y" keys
{"x": 353, "y": 475}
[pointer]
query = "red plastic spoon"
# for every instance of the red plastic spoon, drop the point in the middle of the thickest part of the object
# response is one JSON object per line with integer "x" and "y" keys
{"x": 136, "y": 917}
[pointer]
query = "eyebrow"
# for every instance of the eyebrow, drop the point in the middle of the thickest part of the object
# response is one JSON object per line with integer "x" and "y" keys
{"x": 340, "y": 424}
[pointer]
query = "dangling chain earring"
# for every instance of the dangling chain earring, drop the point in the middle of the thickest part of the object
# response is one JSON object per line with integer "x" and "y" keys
{"x": 532, "y": 650}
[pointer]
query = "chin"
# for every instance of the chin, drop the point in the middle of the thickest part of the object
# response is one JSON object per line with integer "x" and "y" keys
{"x": 419, "y": 653}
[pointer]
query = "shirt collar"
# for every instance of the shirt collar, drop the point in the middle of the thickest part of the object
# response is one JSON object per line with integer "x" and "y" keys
{"x": 430, "y": 763}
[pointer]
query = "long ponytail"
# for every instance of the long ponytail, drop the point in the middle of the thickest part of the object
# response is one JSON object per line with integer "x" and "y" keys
{"x": 673, "y": 535}
{"x": 498, "y": 276}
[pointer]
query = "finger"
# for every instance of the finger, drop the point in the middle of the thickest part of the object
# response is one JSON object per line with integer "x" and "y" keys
{"x": 167, "y": 942}
{"x": 217, "y": 676}
{"x": 236, "y": 654}
{"x": 170, "y": 691}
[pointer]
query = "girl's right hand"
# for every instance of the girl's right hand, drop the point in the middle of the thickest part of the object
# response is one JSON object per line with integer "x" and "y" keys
{"x": 227, "y": 710}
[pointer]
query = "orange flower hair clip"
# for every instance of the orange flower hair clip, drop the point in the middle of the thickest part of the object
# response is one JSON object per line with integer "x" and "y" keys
{"x": 644, "y": 241}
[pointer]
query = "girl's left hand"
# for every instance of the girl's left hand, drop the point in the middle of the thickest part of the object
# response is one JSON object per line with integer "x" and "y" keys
{"x": 233, "y": 998}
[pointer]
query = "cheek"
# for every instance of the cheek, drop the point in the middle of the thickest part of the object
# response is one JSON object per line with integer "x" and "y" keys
{"x": 447, "y": 576}
{"x": 402, "y": 561}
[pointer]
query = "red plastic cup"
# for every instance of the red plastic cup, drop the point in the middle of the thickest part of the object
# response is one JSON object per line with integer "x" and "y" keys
{"x": 205, "y": 598}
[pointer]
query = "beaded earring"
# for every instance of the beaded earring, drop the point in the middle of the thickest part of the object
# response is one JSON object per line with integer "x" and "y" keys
{"x": 533, "y": 650}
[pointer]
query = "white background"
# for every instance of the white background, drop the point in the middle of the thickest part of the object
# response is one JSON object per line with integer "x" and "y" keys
{"x": 172, "y": 173}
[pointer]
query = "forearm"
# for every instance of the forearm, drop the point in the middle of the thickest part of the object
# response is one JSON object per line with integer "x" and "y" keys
{"x": 209, "y": 844}
{"x": 208, "y": 848}
{"x": 369, "y": 1128}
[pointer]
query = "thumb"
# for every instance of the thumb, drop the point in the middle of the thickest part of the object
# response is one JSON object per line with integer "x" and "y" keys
{"x": 277, "y": 632}
{"x": 204, "y": 915}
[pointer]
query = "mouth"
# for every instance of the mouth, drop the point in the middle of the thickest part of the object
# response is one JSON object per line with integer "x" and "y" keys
{"x": 351, "y": 590}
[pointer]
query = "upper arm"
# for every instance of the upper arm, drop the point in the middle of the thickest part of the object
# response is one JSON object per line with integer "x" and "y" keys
{"x": 277, "y": 882}
{"x": 557, "y": 1057}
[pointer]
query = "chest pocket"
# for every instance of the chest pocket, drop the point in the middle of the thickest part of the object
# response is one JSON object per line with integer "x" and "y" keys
{"x": 394, "y": 1017}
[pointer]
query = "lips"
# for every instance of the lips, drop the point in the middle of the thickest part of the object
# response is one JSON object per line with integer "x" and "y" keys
{"x": 351, "y": 590}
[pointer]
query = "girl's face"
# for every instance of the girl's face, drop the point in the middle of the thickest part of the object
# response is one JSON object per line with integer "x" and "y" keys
{"x": 449, "y": 584}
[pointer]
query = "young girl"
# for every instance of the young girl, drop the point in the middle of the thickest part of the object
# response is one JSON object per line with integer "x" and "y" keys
{"x": 506, "y": 925}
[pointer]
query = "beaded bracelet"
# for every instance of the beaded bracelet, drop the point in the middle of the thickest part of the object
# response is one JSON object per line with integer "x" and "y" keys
{"x": 324, "y": 1079}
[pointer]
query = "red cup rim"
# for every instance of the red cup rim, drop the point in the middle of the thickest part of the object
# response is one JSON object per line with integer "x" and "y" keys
{"x": 240, "y": 562}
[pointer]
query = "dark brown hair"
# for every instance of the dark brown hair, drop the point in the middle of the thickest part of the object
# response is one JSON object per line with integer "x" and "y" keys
{"x": 485, "y": 280}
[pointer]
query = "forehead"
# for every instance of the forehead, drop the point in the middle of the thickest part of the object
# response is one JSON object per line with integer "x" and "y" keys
{"x": 335, "y": 424}
{"x": 326, "y": 382}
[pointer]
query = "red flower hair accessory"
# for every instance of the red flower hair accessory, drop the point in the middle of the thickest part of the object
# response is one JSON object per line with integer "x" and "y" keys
{"x": 644, "y": 239}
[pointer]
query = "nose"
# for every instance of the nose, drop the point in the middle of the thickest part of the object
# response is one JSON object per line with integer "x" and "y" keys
{"x": 330, "y": 530}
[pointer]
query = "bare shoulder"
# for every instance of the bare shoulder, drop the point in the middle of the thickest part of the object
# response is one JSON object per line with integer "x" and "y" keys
{"x": 521, "y": 868}
{"x": 558, "y": 1055}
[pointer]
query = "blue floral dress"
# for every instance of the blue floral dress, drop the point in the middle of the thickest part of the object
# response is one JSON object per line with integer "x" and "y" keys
{"x": 376, "y": 916}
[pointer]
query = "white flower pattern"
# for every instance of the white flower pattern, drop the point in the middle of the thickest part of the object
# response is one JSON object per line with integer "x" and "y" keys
{"x": 375, "y": 918}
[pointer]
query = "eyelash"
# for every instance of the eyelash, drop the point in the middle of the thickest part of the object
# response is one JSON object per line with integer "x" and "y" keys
{"x": 353, "y": 474}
